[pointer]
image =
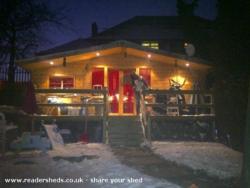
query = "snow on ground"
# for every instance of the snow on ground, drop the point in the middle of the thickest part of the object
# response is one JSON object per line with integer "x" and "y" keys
{"x": 105, "y": 166}
{"x": 214, "y": 158}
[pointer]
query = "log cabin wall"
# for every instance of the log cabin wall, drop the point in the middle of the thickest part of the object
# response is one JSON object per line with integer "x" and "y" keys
{"x": 81, "y": 71}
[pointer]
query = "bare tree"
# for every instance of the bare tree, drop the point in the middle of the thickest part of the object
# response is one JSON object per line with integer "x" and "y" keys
{"x": 20, "y": 23}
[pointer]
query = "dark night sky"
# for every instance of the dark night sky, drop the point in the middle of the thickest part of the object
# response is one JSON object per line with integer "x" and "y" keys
{"x": 81, "y": 13}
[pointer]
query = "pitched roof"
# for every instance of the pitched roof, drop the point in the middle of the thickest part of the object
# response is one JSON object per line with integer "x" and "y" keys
{"x": 162, "y": 22}
{"x": 138, "y": 27}
{"x": 72, "y": 45}
{"x": 111, "y": 45}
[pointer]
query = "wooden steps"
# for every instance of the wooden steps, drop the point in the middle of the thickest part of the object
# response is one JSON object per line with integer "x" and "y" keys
{"x": 124, "y": 131}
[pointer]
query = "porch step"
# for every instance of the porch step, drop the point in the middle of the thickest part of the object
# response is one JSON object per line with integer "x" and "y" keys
{"x": 124, "y": 131}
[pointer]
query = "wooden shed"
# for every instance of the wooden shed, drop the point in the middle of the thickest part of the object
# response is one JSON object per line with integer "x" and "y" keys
{"x": 109, "y": 66}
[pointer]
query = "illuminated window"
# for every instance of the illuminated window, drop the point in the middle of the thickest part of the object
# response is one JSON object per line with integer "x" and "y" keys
{"x": 61, "y": 82}
{"x": 97, "y": 78}
{"x": 151, "y": 44}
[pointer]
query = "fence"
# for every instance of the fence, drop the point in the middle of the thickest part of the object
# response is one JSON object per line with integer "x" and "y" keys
{"x": 21, "y": 75}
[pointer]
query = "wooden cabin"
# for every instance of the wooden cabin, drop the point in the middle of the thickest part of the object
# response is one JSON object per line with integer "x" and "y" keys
{"x": 109, "y": 66}
{"x": 95, "y": 81}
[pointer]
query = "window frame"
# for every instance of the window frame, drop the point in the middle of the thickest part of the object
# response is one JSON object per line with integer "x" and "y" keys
{"x": 151, "y": 44}
{"x": 62, "y": 84}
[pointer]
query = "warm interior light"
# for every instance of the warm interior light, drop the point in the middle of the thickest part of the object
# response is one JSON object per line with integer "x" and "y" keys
{"x": 97, "y": 54}
{"x": 149, "y": 56}
{"x": 110, "y": 98}
{"x": 58, "y": 74}
{"x": 125, "y": 98}
{"x": 51, "y": 63}
{"x": 117, "y": 96}
{"x": 179, "y": 79}
{"x": 59, "y": 100}
{"x": 187, "y": 64}
{"x": 100, "y": 66}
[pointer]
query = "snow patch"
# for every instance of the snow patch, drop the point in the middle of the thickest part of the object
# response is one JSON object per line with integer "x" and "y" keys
{"x": 105, "y": 167}
{"x": 214, "y": 158}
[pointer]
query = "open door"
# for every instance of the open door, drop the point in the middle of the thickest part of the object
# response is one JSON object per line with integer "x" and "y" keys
{"x": 113, "y": 85}
{"x": 128, "y": 92}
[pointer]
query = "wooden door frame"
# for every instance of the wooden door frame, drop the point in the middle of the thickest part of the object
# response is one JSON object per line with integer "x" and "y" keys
{"x": 120, "y": 103}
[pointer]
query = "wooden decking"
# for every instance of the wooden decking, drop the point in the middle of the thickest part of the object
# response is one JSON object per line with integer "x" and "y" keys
{"x": 200, "y": 110}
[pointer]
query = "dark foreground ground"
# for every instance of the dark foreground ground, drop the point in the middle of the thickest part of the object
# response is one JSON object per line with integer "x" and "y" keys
{"x": 150, "y": 164}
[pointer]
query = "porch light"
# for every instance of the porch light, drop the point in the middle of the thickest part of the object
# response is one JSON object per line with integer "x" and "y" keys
{"x": 51, "y": 63}
{"x": 97, "y": 54}
{"x": 149, "y": 56}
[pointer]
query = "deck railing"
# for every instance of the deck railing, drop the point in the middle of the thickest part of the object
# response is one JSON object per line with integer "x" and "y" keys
{"x": 179, "y": 103}
{"x": 156, "y": 105}
{"x": 81, "y": 103}
{"x": 184, "y": 105}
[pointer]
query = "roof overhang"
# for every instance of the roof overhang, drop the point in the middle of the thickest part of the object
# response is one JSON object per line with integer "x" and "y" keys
{"x": 116, "y": 47}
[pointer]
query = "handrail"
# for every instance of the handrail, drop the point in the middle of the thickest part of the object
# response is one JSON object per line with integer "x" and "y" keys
{"x": 180, "y": 105}
{"x": 160, "y": 91}
{"x": 71, "y": 104}
{"x": 83, "y": 91}
{"x": 143, "y": 121}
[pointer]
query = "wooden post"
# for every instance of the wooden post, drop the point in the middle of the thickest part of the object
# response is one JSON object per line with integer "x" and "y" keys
{"x": 105, "y": 118}
{"x": 42, "y": 123}
{"x": 211, "y": 104}
{"x": 86, "y": 119}
{"x": 32, "y": 124}
{"x": 120, "y": 102}
{"x": 149, "y": 128}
